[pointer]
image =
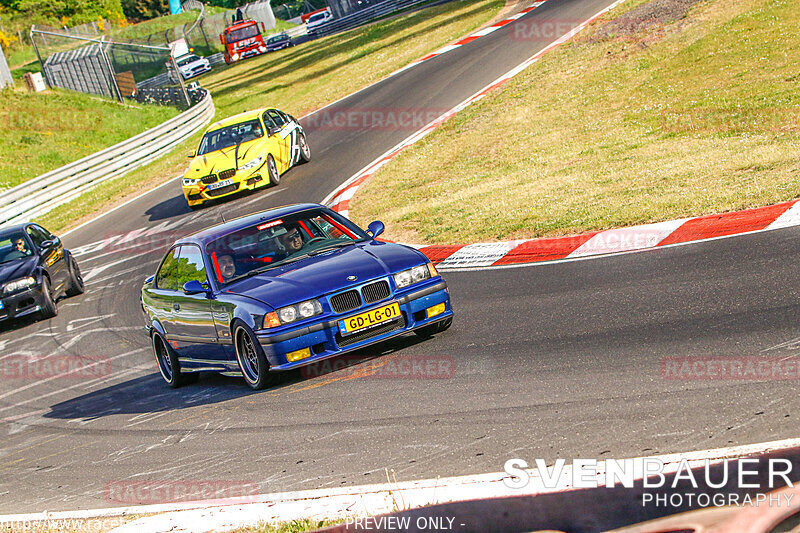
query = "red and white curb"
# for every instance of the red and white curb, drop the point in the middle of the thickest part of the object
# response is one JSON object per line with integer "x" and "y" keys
{"x": 360, "y": 501}
{"x": 519, "y": 252}
{"x": 469, "y": 38}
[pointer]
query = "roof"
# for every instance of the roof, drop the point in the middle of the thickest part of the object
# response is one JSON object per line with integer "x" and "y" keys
{"x": 235, "y": 119}
{"x": 207, "y": 235}
{"x": 13, "y": 228}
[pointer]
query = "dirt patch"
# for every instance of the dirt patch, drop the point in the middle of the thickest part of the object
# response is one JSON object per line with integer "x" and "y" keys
{"x": 652, "y": 14}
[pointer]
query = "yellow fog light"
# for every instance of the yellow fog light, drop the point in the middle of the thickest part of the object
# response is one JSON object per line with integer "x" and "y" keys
{"x": 298, "y": 355}
{"x": 437, "y": 309}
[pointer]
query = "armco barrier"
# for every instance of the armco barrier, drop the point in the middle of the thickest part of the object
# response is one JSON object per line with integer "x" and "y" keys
{"x": 362, "y": 16}
{"x": 48, "y": 191}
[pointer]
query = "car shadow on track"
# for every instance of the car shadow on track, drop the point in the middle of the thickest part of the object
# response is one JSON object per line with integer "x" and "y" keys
{"x": 149, "y": 394}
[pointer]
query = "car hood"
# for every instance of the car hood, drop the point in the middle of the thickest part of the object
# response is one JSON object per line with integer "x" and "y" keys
{"x": 224, "y": 159}
{"x": 17, "y": 269}
{"x": 328, "y": 272}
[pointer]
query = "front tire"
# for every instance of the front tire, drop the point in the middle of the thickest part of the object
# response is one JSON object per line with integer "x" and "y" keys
{"x": 168, "y": 364}
{"x": 252, "y": 361}
{"x": 305, "y": 151}
{"x": 49, "y": 307}
{"x": 272, "y": 170}
{"x": 76, "y": 285}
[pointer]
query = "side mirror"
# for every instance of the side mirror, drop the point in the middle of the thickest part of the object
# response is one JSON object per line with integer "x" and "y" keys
{"x": 195, "y": 287}
{"x": 272, "y": 130}
{"x": 46, "y": 245}
{"x": 191, "y": 154}
{"x": 375, "y": 228}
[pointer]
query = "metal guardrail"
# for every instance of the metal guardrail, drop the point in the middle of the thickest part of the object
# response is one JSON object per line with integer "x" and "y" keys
{"x": 362, "y": 16}
{"x": 48, "y": 191}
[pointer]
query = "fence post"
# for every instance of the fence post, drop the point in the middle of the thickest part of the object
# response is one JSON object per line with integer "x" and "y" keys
{"x": 39, "y": 57}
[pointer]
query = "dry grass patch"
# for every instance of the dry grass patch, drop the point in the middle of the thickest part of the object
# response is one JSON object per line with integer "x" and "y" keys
{"x": 696, "y": 116}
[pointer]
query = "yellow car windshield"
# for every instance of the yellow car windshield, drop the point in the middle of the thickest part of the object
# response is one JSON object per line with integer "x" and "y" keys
{"x": 230, "y": 136}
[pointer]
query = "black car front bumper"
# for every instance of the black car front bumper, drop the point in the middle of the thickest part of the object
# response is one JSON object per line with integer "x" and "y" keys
{"x": 21, "y": 304}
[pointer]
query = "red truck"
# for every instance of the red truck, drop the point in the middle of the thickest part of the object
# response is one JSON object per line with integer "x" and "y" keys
{"x": 241, "y": 40}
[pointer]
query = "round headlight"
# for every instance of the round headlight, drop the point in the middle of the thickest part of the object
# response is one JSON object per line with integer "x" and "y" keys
{"x": 403, "y": 278}
{"x": 306, "y": 309}
{"x": 418, "y": 273}
{"x": 287, "y": 314}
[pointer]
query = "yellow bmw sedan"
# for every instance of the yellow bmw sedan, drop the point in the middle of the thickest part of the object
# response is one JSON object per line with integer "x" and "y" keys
{"x": 244, "y": 152}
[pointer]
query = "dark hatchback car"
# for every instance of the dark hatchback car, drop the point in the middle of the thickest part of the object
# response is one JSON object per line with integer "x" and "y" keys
{"x": 284, "y": 288}
{"x": 35, "y": 271}
{"x": 278, "y": 42}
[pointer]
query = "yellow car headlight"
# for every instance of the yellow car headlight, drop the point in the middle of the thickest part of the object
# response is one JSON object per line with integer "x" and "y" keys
{"x": 253, "y": 163}
{"x": 188, "y": 182}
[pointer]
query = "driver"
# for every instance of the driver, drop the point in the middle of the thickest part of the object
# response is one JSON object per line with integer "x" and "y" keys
{"x": 227, "y": 266}
{"x": 19, "y": 249}
{"x": 292, "y": 240}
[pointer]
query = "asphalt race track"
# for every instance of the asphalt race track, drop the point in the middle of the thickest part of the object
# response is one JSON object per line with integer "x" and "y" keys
{"x": 558, "y": 360}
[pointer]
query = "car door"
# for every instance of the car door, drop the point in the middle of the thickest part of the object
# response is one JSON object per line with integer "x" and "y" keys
{"x": 287, "y": 135}
{"x": 194, "y": 333}
{"x": 159, "y": 298}
{"x": 275, "y": 143}
{"x": 51, "y": 258}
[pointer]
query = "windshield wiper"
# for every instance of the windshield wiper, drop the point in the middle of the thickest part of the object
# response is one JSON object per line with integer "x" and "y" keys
{"x": 332, "y": 246}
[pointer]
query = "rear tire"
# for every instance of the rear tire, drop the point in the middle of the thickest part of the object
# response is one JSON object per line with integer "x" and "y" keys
{"x": 49, "y": 307}
{"x": 76, "y": 285}
{"x": 252, "y": 361}
{"x": 305, "y": 151}
{"x": 168, "y": 364}
{"x": 433, "y": 329}
{"x": 272, "y": 170}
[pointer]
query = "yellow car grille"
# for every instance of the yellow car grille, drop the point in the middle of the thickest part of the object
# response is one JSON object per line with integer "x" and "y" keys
{"x": 208, "y": 180}
{"x": 225, "y": 174}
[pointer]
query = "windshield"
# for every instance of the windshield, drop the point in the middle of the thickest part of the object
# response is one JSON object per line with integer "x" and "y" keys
{"x": 230, "y": 136}
{"x": 315, "y": 18}
{"x": 278, "y": 38}
{"x": 243, "y": 33}
{"x": 14, "y": 246}
{"x": 187, "y": 60}
{"x": 271, "y": 243}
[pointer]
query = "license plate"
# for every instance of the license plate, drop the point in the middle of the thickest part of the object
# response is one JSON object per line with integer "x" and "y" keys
{"x": 220, "y": 184}
{"x": 369, "y": 319}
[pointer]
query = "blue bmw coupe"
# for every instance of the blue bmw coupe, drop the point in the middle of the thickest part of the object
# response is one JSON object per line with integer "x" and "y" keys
{"x": 284, "y": 288}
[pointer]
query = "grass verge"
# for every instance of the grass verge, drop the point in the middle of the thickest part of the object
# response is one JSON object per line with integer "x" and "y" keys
{"x": 44, "y": 131}
{"x": 297, "y": 80}
{"x": 640, "y": 119}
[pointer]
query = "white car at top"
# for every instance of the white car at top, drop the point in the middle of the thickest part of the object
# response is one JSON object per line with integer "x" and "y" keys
{"x": 192, "y": 65}
{"x": 318, "y": 19}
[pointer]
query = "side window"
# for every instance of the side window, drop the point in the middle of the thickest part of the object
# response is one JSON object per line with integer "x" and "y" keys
{"x": 46, "y": 233}
{"x": 268, "y": 122}
{"x": 36, "y": 235}
{"x": 286, "y": 117}
{"x": 165, "y": 278}
{"x": 190, "y": 266}
{"x": 276, "y": 117}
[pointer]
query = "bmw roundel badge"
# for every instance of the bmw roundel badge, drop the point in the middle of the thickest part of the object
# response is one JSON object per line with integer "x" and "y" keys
{"x": 352, "y": 278}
